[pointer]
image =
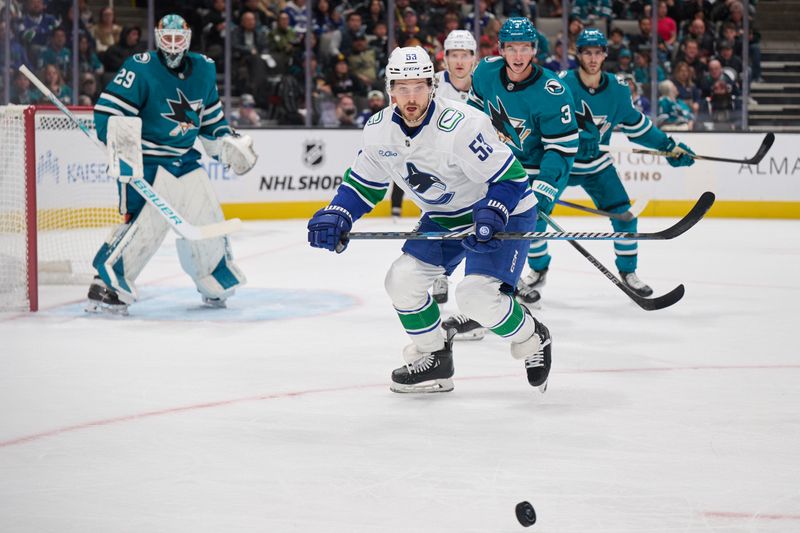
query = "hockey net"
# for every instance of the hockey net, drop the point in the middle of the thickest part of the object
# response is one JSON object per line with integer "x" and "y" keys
{"x": 57, "y": 204}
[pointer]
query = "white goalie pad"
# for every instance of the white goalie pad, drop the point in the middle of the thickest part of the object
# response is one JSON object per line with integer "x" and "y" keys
{"x": 124, "y": 147}
{"x": 237, "y": 151}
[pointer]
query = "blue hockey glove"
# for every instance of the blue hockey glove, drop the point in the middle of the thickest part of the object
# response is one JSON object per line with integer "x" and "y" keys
{"x": 682, "y": 160}
{"x": 490, "y": 217}
{"x": 588, "y": 143}
{"x": 328, "y": 229}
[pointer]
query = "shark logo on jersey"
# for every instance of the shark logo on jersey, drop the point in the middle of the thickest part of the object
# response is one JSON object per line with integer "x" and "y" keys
{"x": 586, "y": 118}
{"x": 184, "y": 113}
{"x": 428, "y": 187}
{"x": 511, "y": 130}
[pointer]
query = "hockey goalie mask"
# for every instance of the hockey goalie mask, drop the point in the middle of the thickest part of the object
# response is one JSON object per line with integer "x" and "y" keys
{"x": 173, "y": 37}
{"x": 410, "y": 63}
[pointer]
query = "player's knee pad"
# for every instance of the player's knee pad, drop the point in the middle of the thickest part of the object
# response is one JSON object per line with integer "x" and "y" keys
{"x": 479, "y": 298}
{"x": 408, "y": 280}
{"x": 209, "y": 262}
{"x": 130, "y": 247}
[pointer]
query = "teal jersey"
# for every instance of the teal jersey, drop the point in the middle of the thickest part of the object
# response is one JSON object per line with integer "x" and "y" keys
{"x": 604, "y": 108}
{"x": 175, "y": 107}
{"x": 534, "y": 118}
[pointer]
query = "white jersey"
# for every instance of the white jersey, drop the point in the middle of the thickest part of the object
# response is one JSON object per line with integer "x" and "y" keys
{"x": 444, "y": 166}
{"x": 446, "y": 89}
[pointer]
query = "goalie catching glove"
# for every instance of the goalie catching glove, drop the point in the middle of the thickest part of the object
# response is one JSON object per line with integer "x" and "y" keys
{"x": 237, "y": 152}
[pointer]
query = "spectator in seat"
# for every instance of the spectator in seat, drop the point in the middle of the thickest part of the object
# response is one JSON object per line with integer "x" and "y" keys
{"x": 373, "y": 15}
{"x": 641, "y": 69}
{"x": 35, "y": 27}
{"x": 362, "y": 62}
{"x": 213, "y": 33}
{"x": 673, "y": 113}
{"x": 379, "y": 44}
{"x": 87, "y": 58}
{"x": 727, "y": 58}
{"x": 21, "y": 91}
{"x": 589, "y": 11}
{"x": 106, "y": 32}
{"x": 346, "y": 112}
{"x": 486, "y": 47}
{"x": 413, "y": 30}
{"x": 575, "y": 27}
{"x": 342, "y": 81}
{"x": 128, "y": 45}
{"x": 451, "y": 23}
{"x": 54, "y": 80}
{"x": 57, "y": 52}
{"x": 255, "y": 7}
{"x": 625, "y": 62}
{"x": 688, "y": 91}
{"x": 483, "y": 17}
{"x": 296, "y": 9}
{"x": 640, "y": 102}
{"x": 616, "y": 43}
{"x": 251, "y": 56}
{"x": 246, "y": 115}
{"x": 704, "y": 39}
{"x": 89, "y": 87}
{"x": 667, "y": 27}
{"x": 690, "y": 54}
{"x": 553, "y": 62}
{"x": 281, "y": 40}
{"x": 710, "y": 85}
{"x": 375, "y": 102}
{"x": 645, "y": 35}
{"x": 352, "y": 27}
{"x": 18, "y": 54}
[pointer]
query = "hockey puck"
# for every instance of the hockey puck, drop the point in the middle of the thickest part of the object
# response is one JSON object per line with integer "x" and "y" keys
{"x": 526, "y": 514}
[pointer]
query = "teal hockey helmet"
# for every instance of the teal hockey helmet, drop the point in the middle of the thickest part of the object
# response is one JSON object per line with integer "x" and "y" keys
{"x": 591, "y": 37}
{"x": 518, "y": 30}
{"x": 173, "y": 37}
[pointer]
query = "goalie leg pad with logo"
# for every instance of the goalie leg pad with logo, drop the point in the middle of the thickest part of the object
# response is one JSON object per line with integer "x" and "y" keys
{"x": 407, "y": 284}
{"x": 131, "y": 245}
{"x": 209, "y": 262}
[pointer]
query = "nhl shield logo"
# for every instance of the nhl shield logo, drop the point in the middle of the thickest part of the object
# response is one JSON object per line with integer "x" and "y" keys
{"x": 313, "y": 153}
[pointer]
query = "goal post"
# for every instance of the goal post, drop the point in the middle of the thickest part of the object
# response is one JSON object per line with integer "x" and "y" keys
{"x": 57, "y": 203}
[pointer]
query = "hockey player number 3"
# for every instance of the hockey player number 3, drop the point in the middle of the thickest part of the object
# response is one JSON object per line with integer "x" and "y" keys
{"x": 480, "y": 147}
{"x": 125, "y": 78}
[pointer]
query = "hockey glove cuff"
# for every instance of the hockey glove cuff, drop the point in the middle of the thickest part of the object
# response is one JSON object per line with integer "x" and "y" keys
{"x": 490, "y": 217}
{"x": 546, "y": 194}
{"x": 328, "y": 228}
{"x": 681, "y": 151}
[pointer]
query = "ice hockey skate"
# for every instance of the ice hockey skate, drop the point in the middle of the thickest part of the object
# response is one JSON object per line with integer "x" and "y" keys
{"x": 216, "y": 303}
{"x": 424, "y": 372}
{"x": 635, "y": 284}
{"x": 102, "y": 299}
{"x": 462, "y": 328}
{"x": 536, "y": 353}
{"x": 439, "y": 291}
{"x": 529, "y": 288}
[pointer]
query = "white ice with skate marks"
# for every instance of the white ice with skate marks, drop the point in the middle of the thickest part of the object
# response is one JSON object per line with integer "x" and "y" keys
{"x": 677, "y": 420}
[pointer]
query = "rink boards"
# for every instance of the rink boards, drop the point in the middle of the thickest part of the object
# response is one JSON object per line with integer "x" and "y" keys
{"x": 298, "y": 171}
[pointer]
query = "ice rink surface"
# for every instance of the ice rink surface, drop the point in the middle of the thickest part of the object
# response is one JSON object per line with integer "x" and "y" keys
{"x": 275, "y": 415}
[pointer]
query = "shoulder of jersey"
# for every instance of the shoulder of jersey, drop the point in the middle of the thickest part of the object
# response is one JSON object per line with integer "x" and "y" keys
{"x": 377, "y": 122}
{"x": 201, "y": 59}
{"x": 617, "y": 82}
{"x": 552, "y": 83}
{"x": 451, "y": 114}
{"x": 141, "y": 61}
{"x": 489, "y": 64}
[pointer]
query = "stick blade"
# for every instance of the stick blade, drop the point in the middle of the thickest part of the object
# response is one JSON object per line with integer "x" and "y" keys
{"x": 691, "y": 218}
{"x": 766, "y": 144}
{"x": 663, "y": 301}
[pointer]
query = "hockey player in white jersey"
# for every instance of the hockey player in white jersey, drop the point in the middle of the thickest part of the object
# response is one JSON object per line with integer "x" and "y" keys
{"x": 460, "y": 58}
{"x": 172, "y": 94}
{"x": 449, "y": 160}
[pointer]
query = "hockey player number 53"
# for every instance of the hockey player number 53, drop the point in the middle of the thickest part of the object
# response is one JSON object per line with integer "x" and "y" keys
{"x": 125, "y": 78}
{"x": 480, "y": 147}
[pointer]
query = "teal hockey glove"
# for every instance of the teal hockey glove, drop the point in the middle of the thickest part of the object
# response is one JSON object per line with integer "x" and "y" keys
{"x": 682, "y": 159}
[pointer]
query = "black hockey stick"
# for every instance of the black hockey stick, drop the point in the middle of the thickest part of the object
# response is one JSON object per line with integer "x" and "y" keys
{"x": 766, "y": 144}
{"x": 627, "y": 216}
{"x": 648, "y": 304}
{"x": 697, "y": 212}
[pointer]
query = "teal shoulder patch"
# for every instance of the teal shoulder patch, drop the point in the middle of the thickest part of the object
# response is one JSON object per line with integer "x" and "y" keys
{"x": 449, "y": 119}
{"x": 554, "y": 87}
{"x": 142, "y": 58}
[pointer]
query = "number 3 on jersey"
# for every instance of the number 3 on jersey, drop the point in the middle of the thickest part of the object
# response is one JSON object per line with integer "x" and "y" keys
{"x": 125, "y": 78}
{"x": 480, "y": 147}
{"x": 566, "y": 115}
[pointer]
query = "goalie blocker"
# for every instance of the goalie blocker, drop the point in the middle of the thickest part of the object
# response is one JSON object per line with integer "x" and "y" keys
{"x": 122, "y": 257}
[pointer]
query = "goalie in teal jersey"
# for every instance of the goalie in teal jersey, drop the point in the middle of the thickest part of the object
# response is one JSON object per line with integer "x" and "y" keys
{"x": 531, "y": 109}
{"x": 174, "y": 93}
{"x": 602, "y": 102}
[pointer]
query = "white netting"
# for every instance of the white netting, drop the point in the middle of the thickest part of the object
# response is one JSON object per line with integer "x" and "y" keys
{"x": 76, "y": 200}
{"x": 13, "y": 226}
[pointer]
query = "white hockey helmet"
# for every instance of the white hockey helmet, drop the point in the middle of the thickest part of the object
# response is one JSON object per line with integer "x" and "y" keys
{"x": 460, "y": 40}
{"x": 408, "y": 63}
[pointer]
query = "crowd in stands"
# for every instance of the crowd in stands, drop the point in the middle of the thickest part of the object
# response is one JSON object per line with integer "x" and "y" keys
{"x": 699, "y": 50}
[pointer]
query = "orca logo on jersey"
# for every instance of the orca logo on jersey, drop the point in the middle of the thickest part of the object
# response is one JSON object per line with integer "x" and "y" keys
{"x": 511, "y": 130}
{"x": 427, "y": 187}
{"x": 554, "y": 87}
{"x": 184, "y": 113}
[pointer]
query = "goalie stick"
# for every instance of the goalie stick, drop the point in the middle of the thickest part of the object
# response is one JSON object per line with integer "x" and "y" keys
{"x": 648, "y": 304}
{"x": 179, "y": 224}
{"x": 766, "y": 144}
{"x": 697, "y": 212}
